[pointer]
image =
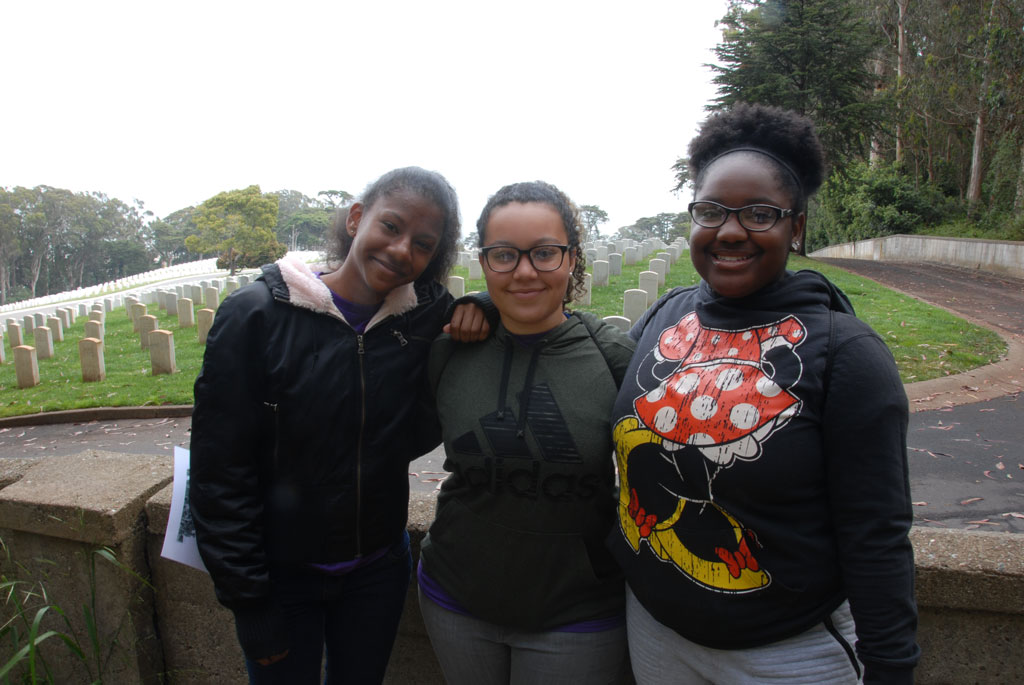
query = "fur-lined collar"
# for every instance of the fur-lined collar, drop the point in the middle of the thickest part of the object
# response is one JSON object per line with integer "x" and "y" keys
{"x": 306, "y": 290}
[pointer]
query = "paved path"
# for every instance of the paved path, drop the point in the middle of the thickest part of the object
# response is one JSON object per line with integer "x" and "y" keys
{"x": 966, "y": 437}
{"x": 966, "y": 456}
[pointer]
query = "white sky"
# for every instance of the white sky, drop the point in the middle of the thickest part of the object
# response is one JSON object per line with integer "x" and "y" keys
{"x": 173, "y": 102}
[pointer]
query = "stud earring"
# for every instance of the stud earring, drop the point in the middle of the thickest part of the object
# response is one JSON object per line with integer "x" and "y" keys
{"x": 796, "y": 246}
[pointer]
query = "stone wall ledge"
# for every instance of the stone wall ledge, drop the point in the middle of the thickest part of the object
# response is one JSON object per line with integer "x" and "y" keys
{"x": 95, "y": 497}
{"x": 970, "y": 584}
{"x": 1002, "y": 256}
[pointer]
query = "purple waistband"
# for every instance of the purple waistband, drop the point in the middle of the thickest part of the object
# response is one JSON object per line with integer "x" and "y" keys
{"x": 435, "y": 593}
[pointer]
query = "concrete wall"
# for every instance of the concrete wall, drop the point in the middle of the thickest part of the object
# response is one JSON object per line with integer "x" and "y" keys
{"x": 1001, "y": 256}
{"x": 55, "y": 511}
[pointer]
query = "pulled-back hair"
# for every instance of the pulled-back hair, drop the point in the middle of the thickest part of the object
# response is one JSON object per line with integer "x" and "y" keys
{"x": 788, "y": 138}
{"x": 544, "y": 193}
{"x": 429, "y": 185}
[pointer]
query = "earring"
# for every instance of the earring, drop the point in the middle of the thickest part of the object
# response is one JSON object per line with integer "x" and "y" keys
{"x": 796, "y": 246}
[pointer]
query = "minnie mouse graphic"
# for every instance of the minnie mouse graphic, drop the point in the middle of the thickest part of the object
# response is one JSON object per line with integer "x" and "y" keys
{"x": 715, "y": 397}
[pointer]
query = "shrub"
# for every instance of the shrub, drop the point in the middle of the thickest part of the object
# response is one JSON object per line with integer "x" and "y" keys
{"x": 872, "y": 201}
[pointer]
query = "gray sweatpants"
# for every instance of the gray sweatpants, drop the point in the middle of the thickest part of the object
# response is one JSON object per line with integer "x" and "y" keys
{"x": 661, "y": 656}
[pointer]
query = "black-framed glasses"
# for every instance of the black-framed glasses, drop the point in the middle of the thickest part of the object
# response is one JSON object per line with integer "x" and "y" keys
{"x": 505, "y": 258}
{"x": 709, "y": 214}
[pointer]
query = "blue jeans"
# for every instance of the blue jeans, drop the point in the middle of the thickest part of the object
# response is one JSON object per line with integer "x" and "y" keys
{"x": 475, "y": 652}
{"x": 354, "y": 615}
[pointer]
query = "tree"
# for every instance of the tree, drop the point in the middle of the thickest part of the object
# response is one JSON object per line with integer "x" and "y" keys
{"x": 306, "y": 230}
{"x": 335, "y": 198}
{"x": 168, "y": 235}
{"x": 665, "y": 226}
{"x": 238, "y": 226}
{"x": 591, "y": 216}
{"x": 682, "y": 174}
{"x": 810, "y": 56}
{"x": 10, "y": 245}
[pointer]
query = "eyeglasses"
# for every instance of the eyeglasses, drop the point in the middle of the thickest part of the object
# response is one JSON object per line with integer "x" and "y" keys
{"x": 504, "y": 258}
{"x": 752, "y": 217}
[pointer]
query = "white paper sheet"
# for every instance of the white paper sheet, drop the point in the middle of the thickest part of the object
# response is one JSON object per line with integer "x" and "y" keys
{"x": 180, "y": 538}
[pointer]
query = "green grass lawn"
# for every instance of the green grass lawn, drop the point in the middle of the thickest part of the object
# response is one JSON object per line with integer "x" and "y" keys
{"x": 927, "y": 343}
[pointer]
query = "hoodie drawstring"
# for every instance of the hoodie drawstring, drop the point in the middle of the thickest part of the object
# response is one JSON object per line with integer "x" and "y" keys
{"x": 524, "y": 396}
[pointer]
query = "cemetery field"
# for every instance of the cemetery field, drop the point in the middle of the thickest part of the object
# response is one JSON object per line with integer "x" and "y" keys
{"x": 927, "y": 343}
{"x": 129, "y": 380}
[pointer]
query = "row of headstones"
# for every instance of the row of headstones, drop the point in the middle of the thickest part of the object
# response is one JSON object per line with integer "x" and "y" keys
{"x": 160, "y": 343}
{"x": 177, "y": 270}
{"x": 635, "y": 301}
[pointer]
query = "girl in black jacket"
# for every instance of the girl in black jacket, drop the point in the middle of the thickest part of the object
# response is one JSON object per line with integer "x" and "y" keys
{"x": 306, "y": 417}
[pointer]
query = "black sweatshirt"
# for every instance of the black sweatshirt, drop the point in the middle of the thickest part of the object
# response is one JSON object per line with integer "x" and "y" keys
{"x": 763, "y": 472}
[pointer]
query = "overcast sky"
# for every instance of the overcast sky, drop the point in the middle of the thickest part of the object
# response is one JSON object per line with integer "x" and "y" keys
{"x": 171, "y": 103}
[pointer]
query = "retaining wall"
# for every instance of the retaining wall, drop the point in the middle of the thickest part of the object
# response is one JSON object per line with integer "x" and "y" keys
{"x": 1002, "y": 256}
{"x": 56, "y": 511}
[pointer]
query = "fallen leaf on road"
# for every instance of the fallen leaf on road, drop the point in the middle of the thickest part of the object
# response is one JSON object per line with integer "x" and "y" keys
{"x": 942, "y": 428}
{"x": 969, "y": 500}
{"x": 988, "y": 474}
{"x": 432, "y": 480}
{"x": 938, "y": 523}
{"x": 1014, "y": 514}
{"x": 414, "y": 475}
{"x": 920, "y": 504}
{"x": 984, "y": 522}
{"x": 435, "y": 473}
{"x": 1001, "y": 466}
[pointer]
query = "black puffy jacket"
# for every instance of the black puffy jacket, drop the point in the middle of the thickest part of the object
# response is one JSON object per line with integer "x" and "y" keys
{"x": 303, "y": 430}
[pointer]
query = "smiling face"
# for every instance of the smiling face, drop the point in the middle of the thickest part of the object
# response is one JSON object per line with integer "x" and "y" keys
{"x": 394, "y": 241}
{"x": 528, "y": 300}
{"x": 734, "y": 261}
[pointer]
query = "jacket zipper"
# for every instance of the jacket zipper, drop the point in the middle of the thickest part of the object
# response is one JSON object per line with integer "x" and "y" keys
{"x": 277, "y": 434}
{"x": 360, "y": 351}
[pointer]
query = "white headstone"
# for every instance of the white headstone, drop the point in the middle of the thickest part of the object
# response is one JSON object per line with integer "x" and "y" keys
{"x": 614, "y": 264}
{"x": 14, "y": 336}
{"x": 161, "y": 352}
{"x": 634, "y": 304}
{"x": 26, "y": 367}
{"x": 600, "y": 273}
{"x": 456, "y": 286}
{"x": 649, "y": 282}
{"x": 90, "y": 355}
{"x": 584, "y": 299}
{"x": 147, "y": 324}
{"x": 186, "y": 316}
{"x": 660, "y": 267}
{"x": 56, "y": 327}
{"x": 94, "y": 329}
{"x": 620, "y": 322}
{"x": 44, "y": 342}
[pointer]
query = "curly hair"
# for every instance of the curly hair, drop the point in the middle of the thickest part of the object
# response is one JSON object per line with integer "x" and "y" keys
{"x": 545, "y": 193}
{"x": 429, "y": 185}
{"x": 788, "y": 140}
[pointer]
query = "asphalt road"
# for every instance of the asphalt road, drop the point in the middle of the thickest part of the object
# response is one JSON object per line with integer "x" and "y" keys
{"x": 966, "y": 461}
